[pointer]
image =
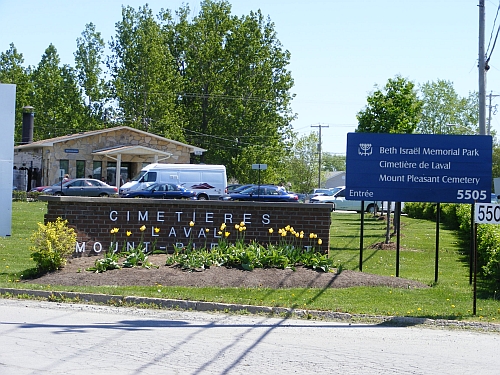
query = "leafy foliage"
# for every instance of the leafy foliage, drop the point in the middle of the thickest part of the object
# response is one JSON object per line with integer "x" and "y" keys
{"x": 444, "y": 112}
{"x": 108, "y": 262}
{"x": 393, "y": 109}
{"x": 52, "y": 244}
{"x": 248, "y": 257}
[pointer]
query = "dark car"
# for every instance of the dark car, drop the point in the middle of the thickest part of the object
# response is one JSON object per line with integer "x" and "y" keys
{"x": 87, "y": 187}
{"x": 233, "y": 190}
{"x": 263, "y": 193}
{"x": 162, "y": 191}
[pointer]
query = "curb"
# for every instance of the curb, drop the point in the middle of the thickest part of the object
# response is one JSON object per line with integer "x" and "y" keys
{"x": 201, "y": 306}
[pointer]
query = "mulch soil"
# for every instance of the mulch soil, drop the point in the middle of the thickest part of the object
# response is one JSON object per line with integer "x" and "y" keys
{"x": 75, "y": 274}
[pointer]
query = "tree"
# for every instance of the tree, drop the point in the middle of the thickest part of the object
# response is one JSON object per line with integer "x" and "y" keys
{"x": 302, "y": 164}
{"x": 393, "y": 109}
{"x": 444, "y": 112}
{"x": 59, "y": 107}
{"x": 88, "y": 70}
{"x": 235, "y": 87}
{"x": 146, "y": 85}
{"x": 13, "y": 72}
{"x": 332, "y": 162}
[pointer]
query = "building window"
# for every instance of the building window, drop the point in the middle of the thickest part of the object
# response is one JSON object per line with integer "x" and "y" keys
{"x": 64, "y": 165}
{"x": 80, "y": 168}
{"x": 97, "y": 170}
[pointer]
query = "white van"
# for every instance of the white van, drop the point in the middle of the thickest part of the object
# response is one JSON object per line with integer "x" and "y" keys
{"x": 208, "y": 181}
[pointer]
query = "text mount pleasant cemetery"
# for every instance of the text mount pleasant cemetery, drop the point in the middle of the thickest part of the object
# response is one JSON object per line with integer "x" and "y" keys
{"x": 418, "y": 167}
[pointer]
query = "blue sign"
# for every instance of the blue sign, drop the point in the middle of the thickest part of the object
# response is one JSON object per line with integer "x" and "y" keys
{"x": 418, "y": 167}
{"x": 71, "y": 150}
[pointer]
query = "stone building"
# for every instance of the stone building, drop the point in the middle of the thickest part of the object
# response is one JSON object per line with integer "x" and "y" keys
{"x": 98, "y": 153}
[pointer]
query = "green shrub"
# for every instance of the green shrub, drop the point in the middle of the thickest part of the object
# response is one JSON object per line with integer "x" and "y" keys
{"x": 52, "y": 243}
{"x": 19, "y": 196}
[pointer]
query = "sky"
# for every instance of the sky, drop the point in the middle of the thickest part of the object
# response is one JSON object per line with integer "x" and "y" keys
{"x": 340, "y": 49}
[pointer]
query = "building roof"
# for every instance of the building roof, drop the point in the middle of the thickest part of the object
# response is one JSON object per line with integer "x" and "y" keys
{"x": 51, "y": 141}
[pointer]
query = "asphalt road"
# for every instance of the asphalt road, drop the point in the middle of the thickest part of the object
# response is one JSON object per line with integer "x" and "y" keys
{"x": 53, "y": 338}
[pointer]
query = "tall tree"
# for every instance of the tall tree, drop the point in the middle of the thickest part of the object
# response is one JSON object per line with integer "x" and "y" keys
{"x": 395, "y": 108}
{"x": 445, "y": 112}
{"x": 236, "y": 86}
{"x": 146, "y": 84}
{"x": 12, "y": 71}
{"x": 88, "y": 60}
{"x": 59, "y": 107}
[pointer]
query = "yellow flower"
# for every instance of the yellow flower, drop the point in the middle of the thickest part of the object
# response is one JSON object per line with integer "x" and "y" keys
{"x": 287, "y": 227}
{"x": 191, "y": 223}
{"x": 207, "y": 230}
{"x": 301, "y": 235}
{"x": 219, "y": 232}
{"x": 143, "y": 228}
{"x": 242, "y": 224}
{"x": 236, "y": 226}
{"x": 320, "y": 241}
{"x": 283, "y": 233}
{"x": 270, "y": 230}
{"x": 114, "y": 230}
{"x": 223, "y": 226}
{"x": 240, "y": 229}
{"x": 129, "y": 233}
{"x": 311, "y": 235}
{"x": 157, "y": 230}
{"x": 297, "y": 235}
{"x": 226, "y": 234}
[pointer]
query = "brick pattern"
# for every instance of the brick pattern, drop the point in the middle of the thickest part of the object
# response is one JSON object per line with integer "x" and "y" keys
{"x": 167, "y": 222}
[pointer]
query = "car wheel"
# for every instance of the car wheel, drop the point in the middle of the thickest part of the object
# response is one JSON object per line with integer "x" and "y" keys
{"x": 58, "y": 193}
{"x": 202, "y": 197}
{"x": 140, "y": 196}
{"x": 104, "y": 195}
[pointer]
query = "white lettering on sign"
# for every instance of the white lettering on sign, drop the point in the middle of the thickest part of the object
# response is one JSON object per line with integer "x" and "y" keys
{"x": 361, "y": 194}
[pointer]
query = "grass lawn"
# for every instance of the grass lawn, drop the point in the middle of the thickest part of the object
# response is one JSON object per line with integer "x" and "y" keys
{"x": 449, "y": 298}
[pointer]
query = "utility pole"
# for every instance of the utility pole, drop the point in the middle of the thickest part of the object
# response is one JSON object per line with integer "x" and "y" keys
{"x": 490, "y": 107}
{"x": 319, "y": 151}
{"x": 482, "y": 72}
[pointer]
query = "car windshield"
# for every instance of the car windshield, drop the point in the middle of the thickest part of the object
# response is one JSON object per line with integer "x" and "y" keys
{"x": 150, "y": 188}
{"x": 335, "y": 190}
{"x": 139, "y": 176}
{"x": 249, "y": 190}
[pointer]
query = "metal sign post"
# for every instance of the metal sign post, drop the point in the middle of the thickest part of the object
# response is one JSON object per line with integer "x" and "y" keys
{"x": 259, "y": 167}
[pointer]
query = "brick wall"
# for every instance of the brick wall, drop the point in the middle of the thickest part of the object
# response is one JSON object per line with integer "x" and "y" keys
{"x": 167, "y": 222}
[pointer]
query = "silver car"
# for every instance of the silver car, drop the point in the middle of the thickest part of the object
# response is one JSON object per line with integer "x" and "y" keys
{"x": 340, "y": 203}
{"x": 86, "y": 187}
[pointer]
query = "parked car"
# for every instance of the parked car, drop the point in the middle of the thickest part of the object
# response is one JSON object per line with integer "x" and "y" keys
{"x": 315, "y": 192}
{"x": 162, "y": 191}
{"x": 234, "y": 190}
{"x": 263, "y": 193}
{"x": 87, "y": 187}
{"x": 337, "y": 197}
{"x": 230, "y": 188}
